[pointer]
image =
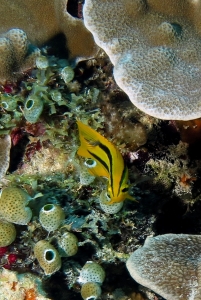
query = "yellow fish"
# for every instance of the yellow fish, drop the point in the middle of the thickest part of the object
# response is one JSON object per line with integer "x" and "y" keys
{"x": 104, "y": 159}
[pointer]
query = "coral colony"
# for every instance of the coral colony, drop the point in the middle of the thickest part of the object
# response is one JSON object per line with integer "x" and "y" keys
{"x": 100, "y": 150}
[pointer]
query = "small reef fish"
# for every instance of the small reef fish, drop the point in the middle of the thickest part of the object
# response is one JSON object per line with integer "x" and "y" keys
{"x": 105, "y": 160}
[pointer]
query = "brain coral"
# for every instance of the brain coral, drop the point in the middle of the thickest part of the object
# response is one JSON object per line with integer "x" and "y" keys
{"x": 170, "y": 265}
{"x": 155, "y": 48}
{"x": 44, "y": 19}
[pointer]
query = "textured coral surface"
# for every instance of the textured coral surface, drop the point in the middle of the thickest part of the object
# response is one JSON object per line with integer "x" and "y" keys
{"x": 170, "y": 265}
{"x": 155, "y": 49}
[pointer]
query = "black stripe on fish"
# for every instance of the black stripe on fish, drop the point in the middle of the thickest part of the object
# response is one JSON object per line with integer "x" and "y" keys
{"x": 109, "y": 155}
{"x": 99, "y": 159}
{"x": 122, "y": 178}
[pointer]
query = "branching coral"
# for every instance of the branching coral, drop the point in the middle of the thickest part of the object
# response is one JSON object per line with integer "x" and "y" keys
{"x": 43, "y": 20}
{"x": 155, "y": 48}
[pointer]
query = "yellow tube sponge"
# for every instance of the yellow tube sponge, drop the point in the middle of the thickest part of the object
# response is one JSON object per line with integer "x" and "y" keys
{"x": 7, "y": 233}
{"x": 13, "y": 205}
{"x": 51, "y": 216}
{"x": 155, "y": 48}
{"x": 47, "y": 256}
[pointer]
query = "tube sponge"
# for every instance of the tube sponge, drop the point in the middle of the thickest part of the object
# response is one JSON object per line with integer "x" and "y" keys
{"x": 92, "y": 272}
{"x": 33, "y": 108}
{"x": 109, "y": 208}
{"x": 47, "y": 256}
{"x": 51, "y": 216}
{"x": 13, "y": 207}
{"x": 8, "y": 102}
{"x": 67, "y": 244}
{"x": 90, "y": 290}
{"x": 7, "y": 233}
{"x": 67, "y": 74}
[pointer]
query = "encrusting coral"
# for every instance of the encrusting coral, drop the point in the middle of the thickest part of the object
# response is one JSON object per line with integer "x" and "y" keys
{"x": 169, "y": 265}
{"x": 155, "y": 48}
{"x": 43, "y": 20}
{"x": 17, "y": 54}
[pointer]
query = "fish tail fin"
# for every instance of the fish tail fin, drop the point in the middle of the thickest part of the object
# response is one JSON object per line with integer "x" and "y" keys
{"x": 129, "y": 197}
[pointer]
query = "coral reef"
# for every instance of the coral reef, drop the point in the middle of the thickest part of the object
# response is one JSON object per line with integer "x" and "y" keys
{"x": 169, "y": 264}
{"x": 154, "y": 47}
{"x": 46, "y": 19}
{"x": 164, "y": 171}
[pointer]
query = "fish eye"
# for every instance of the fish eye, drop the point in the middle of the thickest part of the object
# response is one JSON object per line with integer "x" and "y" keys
{"x": 90, "y": 163}
{"x": 124, "y": 190}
